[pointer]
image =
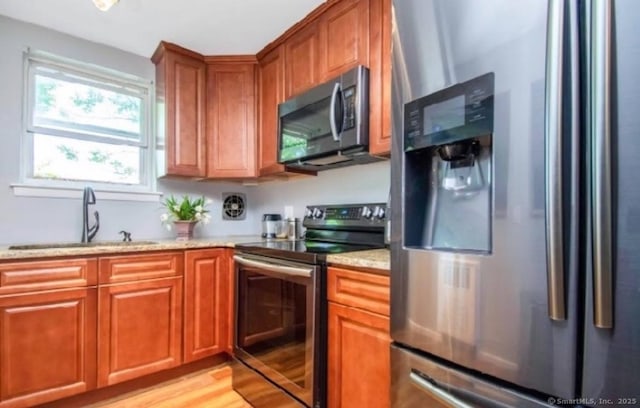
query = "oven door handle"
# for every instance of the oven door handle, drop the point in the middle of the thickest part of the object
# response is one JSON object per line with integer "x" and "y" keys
{"x": 274, "y": 268}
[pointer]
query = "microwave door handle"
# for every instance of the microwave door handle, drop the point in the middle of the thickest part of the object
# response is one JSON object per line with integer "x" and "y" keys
{"x": 332, "y": 113}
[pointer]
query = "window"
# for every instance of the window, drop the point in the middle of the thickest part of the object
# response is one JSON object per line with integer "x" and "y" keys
{"x": 86, "y": 124}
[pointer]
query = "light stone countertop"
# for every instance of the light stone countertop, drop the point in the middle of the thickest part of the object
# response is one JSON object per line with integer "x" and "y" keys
{"x": 118, "y": 247}
{"x": 378, "y": 259}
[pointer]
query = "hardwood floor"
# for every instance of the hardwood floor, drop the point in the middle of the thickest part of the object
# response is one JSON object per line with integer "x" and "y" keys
{"x": 207, "y": 388}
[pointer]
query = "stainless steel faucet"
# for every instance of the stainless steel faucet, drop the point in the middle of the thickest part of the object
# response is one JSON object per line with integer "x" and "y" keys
{"x": 89, "y": 197}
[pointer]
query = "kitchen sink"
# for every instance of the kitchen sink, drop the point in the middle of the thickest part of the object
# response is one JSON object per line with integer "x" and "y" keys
{"x": 82, "y": 245}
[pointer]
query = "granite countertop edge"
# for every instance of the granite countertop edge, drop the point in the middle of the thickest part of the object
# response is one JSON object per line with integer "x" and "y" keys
{"x": 375, "y": 259}
{"x": 118, "y": 248}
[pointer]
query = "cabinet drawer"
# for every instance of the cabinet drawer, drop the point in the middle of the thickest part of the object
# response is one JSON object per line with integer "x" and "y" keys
{"x": 116, "y": 269}
{"x": 29, "y": 276}
{"x": 363, "y": 290}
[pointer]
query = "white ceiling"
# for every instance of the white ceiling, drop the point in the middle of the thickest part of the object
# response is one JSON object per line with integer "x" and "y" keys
{"x": 210, "y": 27}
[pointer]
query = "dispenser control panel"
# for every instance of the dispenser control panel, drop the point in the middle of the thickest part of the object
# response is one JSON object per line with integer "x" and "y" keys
{"x": 459, "y": 112}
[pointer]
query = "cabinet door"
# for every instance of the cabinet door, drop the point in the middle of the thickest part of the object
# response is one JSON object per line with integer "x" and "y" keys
{"x": 358, "y": 358}
{"x": 139, "y": 329}
{"x": 380, "y": 77}
{"x": 180, "y": 90}
{"x": 231, "y": 120}
{"x": 206, "y": 293}
{"x": 47, "y": 346}
{"x": 302, "y": 60}
{"x": 344, "y": 29}
{"x": 271, "y": 94}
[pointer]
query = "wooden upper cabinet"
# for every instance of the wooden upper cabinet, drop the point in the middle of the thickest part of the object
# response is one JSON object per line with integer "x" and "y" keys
{"x": 380, "y": 77}
{"x": 206, "y": 302}
{"x": 344, "y": 37}
{"x": 302, "y": 60}
{"x": 271, "y": 91}
{"x": 180, "y": 93}
{"x": 231, "y": 118}
{"x": 47, "y": 346}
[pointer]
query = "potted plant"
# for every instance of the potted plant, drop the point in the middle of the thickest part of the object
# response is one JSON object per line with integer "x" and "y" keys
{"x": 184, "y": 215}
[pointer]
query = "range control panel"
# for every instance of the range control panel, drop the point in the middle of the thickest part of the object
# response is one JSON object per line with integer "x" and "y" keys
{"x": 345, "y": 216}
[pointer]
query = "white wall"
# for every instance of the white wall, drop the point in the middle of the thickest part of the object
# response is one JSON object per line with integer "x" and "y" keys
{"x": 348, "y": 185}
{"x": 27, "y": 219}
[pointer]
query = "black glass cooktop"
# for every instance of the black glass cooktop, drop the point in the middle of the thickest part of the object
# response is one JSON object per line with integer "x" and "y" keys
{"x": 301, "y": 250}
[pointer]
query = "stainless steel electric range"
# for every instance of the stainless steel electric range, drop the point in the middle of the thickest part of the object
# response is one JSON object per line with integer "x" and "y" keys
{"x": 280, "y": 341}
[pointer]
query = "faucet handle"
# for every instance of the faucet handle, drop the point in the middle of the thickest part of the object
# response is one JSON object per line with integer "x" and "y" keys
{"x": 126, "y": 236}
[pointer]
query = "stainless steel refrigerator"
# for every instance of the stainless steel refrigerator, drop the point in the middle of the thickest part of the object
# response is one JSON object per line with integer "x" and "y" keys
{"x": 515, "y": 243}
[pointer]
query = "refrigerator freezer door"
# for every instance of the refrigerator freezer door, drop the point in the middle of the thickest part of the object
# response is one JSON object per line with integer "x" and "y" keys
{"x": 487, "y": 312}
{"x": 612, "y": 355}
{"x": 418, "y": 381}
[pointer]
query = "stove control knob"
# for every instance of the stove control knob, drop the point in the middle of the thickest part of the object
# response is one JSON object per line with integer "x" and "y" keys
{"x": 317, "y": 213}
{"x": 366, "y": 212}
{"x": 308, "y": 213}
{"x": 379, "y": 212}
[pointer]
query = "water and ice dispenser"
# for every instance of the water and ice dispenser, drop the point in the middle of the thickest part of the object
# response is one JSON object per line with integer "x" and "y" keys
{"x": 448, "y": 187}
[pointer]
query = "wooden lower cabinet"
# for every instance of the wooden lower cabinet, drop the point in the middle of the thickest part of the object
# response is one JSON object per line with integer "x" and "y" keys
{"x": 139, "y": 329}
{"x": 47, "y": 346}
{"x": 359, "y": 358}
{"x": 207, "y": 303}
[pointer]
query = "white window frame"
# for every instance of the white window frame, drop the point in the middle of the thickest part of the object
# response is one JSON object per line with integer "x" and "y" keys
{"x": 106, "y": 79}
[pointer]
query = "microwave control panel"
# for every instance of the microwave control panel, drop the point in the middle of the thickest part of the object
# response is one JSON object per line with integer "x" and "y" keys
{"x": 349, "y": 96}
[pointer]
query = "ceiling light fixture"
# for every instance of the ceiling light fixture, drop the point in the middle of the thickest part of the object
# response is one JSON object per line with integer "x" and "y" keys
{"x": 104, "y": 5}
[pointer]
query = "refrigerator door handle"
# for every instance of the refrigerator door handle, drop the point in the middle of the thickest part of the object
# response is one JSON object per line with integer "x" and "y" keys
{"x": 434, "y": 391}
{"x": 601, "y": 29}
{"x": 553, "y": 161}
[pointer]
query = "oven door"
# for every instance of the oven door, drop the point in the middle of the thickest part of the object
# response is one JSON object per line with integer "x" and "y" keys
{"x": 275, "y": 333}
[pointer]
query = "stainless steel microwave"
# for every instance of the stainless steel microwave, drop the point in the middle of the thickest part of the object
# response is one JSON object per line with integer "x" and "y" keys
{"x": 327, "y": 126}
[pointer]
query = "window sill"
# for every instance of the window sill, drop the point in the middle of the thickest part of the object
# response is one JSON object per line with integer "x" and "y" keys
{"x": 30, "y": 190}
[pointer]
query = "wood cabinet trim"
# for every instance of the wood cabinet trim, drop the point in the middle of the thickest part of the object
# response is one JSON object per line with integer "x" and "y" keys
{"x": 359, "y": 289}
{"x": 231, "y": 59}
{"x": 165, "y": 46}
